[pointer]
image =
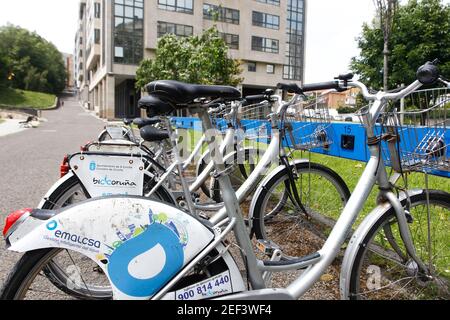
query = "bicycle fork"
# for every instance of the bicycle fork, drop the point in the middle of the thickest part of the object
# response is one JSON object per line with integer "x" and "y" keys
{"x": 387, "y": 194}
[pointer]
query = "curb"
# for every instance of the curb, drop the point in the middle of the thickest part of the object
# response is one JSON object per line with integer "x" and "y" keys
{"x": 30, "y": 111}
{"x": 55, "y": 106}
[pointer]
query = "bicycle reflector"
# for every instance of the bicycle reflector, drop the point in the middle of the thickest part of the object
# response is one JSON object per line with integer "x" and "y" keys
{"x": 64, "y": 167}
{"x": 14, "y": 217}
{"x": 85, "y": 148}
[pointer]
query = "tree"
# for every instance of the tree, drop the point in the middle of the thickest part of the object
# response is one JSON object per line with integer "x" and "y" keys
{"x": 36, "y": 63}
{"x": 4, "y": 73}
{"x": 421, "y": 33}
{"x": 386, "y": 11}
{"x": 199, "y": 59}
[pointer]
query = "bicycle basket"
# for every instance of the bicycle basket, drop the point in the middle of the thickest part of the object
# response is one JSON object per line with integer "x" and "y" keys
{"x": 252, "y": 121}
{"x": 218, "y": 118}
{"x": 308, "y": 123}
{"x": 417, "y": 138}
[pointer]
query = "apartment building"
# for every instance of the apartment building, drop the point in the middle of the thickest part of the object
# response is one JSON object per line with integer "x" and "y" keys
{"x": 113, "y": 36}
{"x": 80, "y": 71}
{"x": 69, "y": 64}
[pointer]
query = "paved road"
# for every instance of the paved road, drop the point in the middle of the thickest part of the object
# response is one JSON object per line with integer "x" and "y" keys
{"x": 29, "y": 161}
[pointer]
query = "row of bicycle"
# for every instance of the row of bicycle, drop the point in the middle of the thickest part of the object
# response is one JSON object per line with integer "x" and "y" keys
{"x": 133, "y": 219}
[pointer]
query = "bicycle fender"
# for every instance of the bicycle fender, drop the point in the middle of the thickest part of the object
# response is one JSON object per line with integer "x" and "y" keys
{"x": 139, "y": 244}
{"x": 358, "y": 237}
{"x": 55, "y": 186}
{"x": 263, "y": 184}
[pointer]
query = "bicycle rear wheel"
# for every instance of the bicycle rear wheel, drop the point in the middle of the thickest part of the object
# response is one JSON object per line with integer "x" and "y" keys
{"x": 30, "y": 280}
{"x": 68, "y": 193}
{"x": 382, "y": 269}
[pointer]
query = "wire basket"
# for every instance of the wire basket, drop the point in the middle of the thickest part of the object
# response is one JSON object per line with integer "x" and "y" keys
{"x": 219, "y": 117}
{"x": 417, "y": 138}
{"x": 252, "y": 121}
{"x": 308, "y": 123}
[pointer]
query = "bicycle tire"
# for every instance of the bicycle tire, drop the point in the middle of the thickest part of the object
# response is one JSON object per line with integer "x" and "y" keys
{"x": 264, "y": 220}
{"x": 33, "y": 262}
{"x": 242, "y": 171}
{"x": 54, "y": 202}
{"x": 436, "y": 197}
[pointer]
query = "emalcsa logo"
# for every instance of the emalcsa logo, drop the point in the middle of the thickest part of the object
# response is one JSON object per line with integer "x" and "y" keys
{"x": 72, "y": 237}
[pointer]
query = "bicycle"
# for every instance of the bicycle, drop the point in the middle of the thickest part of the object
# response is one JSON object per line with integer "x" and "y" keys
{"x": 206, "y": 262}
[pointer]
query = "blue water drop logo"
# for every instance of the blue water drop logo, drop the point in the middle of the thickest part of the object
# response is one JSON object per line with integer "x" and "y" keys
{"x": 92, "y": 166}
{"x": 127, "y": 264}
{"x": 52, "y": 225}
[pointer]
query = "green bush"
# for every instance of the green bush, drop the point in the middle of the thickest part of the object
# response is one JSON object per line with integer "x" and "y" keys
{"x": 346, "y": 109}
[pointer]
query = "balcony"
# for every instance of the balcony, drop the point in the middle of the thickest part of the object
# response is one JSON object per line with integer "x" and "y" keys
{"x": 93, "y": 56}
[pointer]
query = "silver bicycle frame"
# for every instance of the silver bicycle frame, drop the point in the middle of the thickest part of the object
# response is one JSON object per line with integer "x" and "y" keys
{"x": 374, "y": 172}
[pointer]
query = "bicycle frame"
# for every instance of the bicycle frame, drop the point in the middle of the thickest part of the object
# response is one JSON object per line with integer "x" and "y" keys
{"x": 375, "y": 171}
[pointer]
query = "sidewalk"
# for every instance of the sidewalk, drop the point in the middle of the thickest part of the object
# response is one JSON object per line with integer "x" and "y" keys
{"x": 9, "y": 127}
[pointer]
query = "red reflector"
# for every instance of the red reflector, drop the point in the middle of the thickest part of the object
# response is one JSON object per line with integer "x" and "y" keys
{"x": 13, "y": 217}
{"x": 64, "y": 167}
{"x": 85, "y": 148}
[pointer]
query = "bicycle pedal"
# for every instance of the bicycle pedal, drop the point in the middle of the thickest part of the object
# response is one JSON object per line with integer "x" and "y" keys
{"x": 267, "y": 246}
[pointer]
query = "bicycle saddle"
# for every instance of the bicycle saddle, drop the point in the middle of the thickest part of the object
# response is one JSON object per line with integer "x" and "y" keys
{"x": 143, "y": 122}
{"x": 155, "y": 106}
{"x": 184, "y": 93}
{"x": 127, "y": 121}
{"x": 151, "y": 134}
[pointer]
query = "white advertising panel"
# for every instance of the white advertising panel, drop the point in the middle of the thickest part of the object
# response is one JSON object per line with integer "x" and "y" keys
{"x": 104, "y": 175}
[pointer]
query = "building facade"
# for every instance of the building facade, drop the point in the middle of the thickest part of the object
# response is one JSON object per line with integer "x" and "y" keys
{"x": 69, "y": 64}
{"x": 113, "y": 36}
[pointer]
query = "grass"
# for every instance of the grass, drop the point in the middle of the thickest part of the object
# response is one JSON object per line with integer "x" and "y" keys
{"x": 16, "y": 98}
{"x": 351, "y": 171}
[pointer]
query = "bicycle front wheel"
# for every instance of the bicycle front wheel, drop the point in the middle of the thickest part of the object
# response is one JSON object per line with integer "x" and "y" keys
{"x": 278, "y": 218}
{"x": 383, "y": 270}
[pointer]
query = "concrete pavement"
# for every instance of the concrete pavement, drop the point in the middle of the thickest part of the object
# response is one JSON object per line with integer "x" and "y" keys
{"x": 29, "y": 161}
{"x": 10, "y": 127}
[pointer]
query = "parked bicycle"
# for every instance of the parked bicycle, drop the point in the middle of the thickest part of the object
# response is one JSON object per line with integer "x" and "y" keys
{"x": 149, "y": 250}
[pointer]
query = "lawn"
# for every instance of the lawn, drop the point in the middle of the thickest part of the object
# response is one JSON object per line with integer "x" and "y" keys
{"x": 16, "y": 98}
{"x": 351, "y": 171}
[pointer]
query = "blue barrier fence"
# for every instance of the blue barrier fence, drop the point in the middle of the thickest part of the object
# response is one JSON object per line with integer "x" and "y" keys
{"x": 349, "y": 140}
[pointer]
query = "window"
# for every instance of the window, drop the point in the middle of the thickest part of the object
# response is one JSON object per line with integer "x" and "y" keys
{"x": 232, "y": 40}
{"x": 179, "y": 30}
{"x": 251, "y": 66}
{"x": 97, "y": 10}
{"x": 293, "y": 66}
{"x": 97, "y": 36}
{"x": 270, "y": 68}
{"x": 274, "y": 2}
{"x": 185, "y": 6}
{"x": 265, "y": 20}
{"x": 219, "y": 13}
{"x": 128, "y": 31}
{"x": 265, "y": 44}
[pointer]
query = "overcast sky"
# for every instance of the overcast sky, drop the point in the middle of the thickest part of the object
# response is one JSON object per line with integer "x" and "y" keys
{"x": 332, "y": 27}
